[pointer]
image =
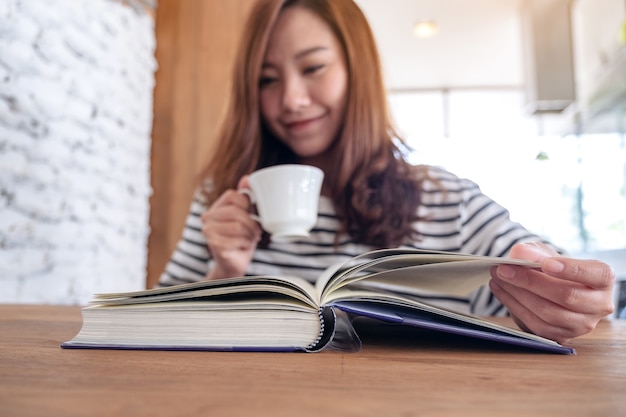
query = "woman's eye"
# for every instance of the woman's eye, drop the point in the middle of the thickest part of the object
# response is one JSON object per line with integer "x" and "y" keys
{"x": 266, "y": 80}
{"x": 313, "y": 68}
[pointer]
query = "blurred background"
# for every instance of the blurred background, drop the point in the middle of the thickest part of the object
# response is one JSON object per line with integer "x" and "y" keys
{"x": 108, "y": 107}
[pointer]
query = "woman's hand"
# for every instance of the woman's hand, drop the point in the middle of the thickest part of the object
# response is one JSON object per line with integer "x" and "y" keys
{"x": 232, "y": 235}
{"x": 565, "y": 299}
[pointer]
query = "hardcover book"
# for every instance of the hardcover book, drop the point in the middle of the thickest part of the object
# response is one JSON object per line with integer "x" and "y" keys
{"x": 267, "y": 313}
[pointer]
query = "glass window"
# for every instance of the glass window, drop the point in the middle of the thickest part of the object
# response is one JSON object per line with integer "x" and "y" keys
{"x": 570, "y": 189}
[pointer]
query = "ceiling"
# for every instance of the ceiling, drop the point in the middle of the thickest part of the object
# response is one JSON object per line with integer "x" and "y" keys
{"x": 478, "y": 44}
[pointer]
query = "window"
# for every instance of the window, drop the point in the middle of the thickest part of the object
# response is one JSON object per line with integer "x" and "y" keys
{"x": 570, "y": 189}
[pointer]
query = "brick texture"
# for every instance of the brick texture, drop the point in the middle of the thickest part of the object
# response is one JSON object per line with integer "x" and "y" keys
{"x": 76, "y": 83}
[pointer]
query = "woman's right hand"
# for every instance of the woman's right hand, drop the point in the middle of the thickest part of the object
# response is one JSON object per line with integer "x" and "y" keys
{"x": 231, "y": 234}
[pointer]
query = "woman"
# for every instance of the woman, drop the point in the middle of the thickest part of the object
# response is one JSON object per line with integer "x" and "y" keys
{"x": 308, "y": 89}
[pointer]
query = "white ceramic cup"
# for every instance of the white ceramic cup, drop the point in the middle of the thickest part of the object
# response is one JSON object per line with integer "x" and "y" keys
{"x": 286, "y": 199}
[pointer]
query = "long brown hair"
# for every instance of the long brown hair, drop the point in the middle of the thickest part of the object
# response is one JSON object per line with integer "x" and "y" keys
{"x": 375, "y": 191}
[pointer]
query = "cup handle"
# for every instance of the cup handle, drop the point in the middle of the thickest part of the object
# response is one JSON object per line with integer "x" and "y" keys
{"x": 250, "y": 194}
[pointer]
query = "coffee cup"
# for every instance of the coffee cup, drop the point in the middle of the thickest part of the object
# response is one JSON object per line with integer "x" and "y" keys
{"x": 286, "y": 199}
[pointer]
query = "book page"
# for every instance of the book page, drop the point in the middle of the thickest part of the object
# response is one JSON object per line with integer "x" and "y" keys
{"x": 417, "y": 272}
{"x": 457, "y": 279}
{"x": 335, "y": 273}
{"x": 291, "y": 287}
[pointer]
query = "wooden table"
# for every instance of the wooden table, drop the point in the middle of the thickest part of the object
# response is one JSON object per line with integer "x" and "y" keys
{"x": 418, "y": 374}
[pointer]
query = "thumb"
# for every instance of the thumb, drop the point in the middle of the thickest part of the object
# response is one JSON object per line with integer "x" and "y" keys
{"x": 244, "y": 182}
{"x": 533, "y": 251}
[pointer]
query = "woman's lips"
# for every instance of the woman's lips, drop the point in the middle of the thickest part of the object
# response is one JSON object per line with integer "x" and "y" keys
{"x": 301, "y": 124}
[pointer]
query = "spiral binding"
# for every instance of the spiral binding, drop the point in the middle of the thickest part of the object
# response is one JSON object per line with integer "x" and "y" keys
{"x": 320, "y": 315}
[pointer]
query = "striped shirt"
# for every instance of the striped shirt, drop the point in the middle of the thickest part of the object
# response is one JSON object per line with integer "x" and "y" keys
{"x": 459, "y": 219}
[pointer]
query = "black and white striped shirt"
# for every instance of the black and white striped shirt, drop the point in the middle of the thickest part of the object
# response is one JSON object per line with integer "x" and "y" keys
{"x": 459, "y": 219}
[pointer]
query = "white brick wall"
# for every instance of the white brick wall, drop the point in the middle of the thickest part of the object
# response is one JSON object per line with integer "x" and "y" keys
{"x": 76, "y": 83}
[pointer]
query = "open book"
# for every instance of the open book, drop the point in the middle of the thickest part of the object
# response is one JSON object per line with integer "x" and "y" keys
{"x": 289, "y": 314}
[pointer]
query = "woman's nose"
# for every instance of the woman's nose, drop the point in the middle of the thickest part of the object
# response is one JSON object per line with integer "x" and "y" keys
{"x": 295, "y": 95}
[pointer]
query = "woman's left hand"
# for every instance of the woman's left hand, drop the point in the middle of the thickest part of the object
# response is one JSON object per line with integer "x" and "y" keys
{"x": 565, "y": 299}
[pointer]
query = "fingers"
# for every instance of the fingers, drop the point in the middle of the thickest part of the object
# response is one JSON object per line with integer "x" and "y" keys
{"x": 231, "y": 234}
{"x": 227, "y": 224}
{"x": 244, "y": 182}
{"x": 567, "y": 294}
{"x": 532, "y": 251}
{"x": 565, "y": 299}
{"x": 540, "y": 316}
{"x": 590, "y": 273}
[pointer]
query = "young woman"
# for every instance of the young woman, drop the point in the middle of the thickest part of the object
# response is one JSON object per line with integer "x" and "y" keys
{"x": 308, "y": 89}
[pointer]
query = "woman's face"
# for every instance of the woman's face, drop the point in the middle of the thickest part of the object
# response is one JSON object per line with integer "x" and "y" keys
{"x": 304, "y": 82}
